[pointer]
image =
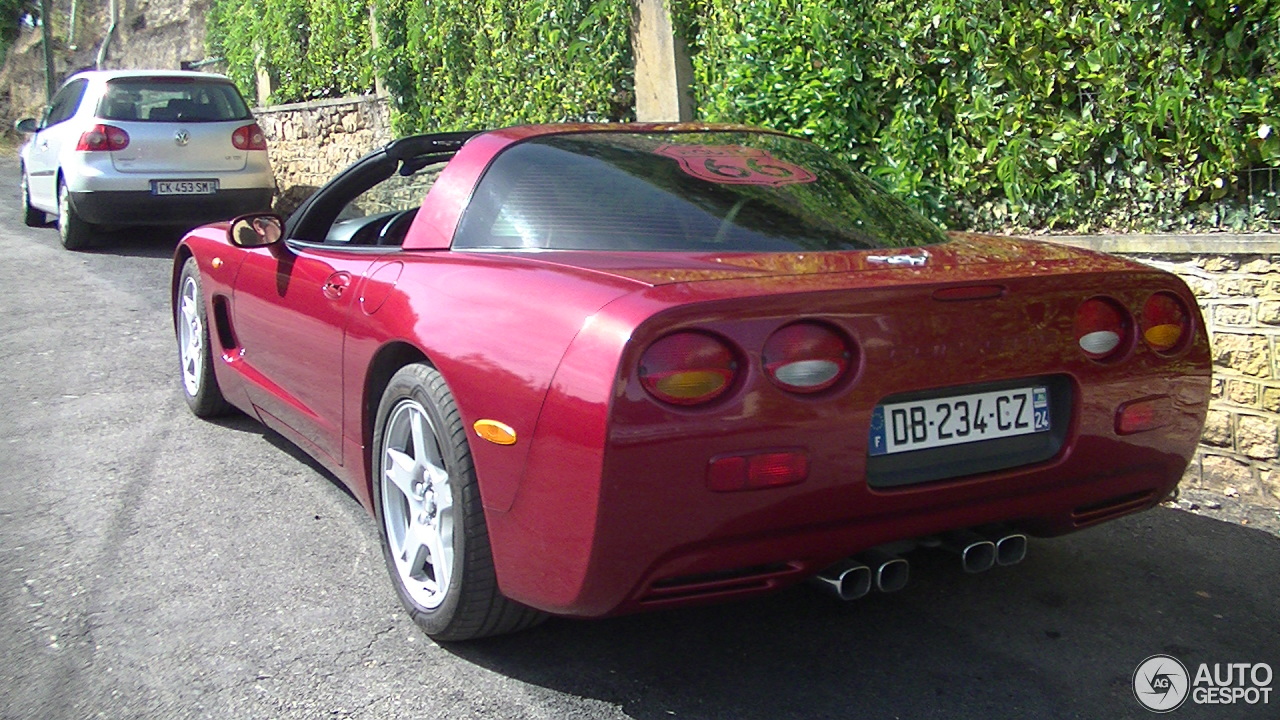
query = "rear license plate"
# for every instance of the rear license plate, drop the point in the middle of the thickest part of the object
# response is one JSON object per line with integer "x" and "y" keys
{"x": 938, "y": 422}
{"x": 184, "y": 187}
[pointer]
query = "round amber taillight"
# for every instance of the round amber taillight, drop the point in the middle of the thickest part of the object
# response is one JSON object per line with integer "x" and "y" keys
{"x": 687, "y": 368}
{"x": 1166, "y": 322}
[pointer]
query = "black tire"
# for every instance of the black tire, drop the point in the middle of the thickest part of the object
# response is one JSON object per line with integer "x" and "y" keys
{"x": 469, "y": 605}
{"x": 195, "y": 355}
{"x": 31, "y": 217}
{"x": 75, "y": 233}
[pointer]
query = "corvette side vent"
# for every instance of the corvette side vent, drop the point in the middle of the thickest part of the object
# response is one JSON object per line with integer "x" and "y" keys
{"x": 1115, "y": 507}
{"x": 726, "y": 582}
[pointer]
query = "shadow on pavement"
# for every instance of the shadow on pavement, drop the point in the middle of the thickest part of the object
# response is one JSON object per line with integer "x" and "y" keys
{"x": 1058, "y": 636}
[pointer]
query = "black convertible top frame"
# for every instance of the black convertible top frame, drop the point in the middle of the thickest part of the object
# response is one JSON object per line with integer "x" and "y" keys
{"x": 407, "y": 155}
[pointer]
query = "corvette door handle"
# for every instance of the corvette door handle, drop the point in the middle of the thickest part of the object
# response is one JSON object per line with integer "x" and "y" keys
{"x": 336, "y": 285}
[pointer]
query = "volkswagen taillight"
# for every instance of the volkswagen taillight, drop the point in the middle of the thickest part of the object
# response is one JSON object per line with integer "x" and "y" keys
{"x": 103, "y": 138}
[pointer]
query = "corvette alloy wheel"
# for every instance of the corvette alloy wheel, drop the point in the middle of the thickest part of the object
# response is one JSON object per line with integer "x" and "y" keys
{"x": 195, "y": 356}
{"x": 190, "y": 336}
{"x": 434, "y": 537}
{"x": 418, "y": 507}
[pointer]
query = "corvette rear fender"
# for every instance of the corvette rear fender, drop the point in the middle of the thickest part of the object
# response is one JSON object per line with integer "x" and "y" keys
{"x": 465, "y": 316}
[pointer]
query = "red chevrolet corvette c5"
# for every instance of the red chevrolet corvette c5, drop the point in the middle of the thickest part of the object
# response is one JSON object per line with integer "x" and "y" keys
{"x": 587, "y": 370}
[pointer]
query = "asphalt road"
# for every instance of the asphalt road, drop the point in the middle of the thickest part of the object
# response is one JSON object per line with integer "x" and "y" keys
{"x": 156, "y": 566}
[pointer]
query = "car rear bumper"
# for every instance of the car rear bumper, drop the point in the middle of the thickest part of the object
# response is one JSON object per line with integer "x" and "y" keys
{"x": 143, "y": 208}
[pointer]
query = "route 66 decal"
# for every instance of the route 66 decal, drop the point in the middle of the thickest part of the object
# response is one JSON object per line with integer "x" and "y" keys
{"x": 735, "y": 165}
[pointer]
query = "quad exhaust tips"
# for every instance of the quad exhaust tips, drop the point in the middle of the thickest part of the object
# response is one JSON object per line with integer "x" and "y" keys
{"x": 853, "y": 578}
{"x": 881, "y": 570}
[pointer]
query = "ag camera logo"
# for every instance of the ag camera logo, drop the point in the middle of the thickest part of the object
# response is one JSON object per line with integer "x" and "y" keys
{"x": 1161, "y": 683}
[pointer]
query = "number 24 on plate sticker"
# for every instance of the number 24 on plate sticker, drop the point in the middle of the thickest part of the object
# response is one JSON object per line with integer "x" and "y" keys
{"x": 735, "y": 165}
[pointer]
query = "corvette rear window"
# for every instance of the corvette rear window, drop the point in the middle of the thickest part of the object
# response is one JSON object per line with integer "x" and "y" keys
{"x": 712, "y": 191}
{"x": 160, "y": 99}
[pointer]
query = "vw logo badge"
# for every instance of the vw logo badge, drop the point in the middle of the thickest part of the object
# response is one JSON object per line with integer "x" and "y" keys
{"x": 182, "y": 137}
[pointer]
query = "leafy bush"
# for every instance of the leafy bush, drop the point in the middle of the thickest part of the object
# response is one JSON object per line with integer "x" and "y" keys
{"x": 453, "y": 64}
{"x": 310, "y": 48}
{"x": 447, "y": 64}
{"x": 1023, "y": 113}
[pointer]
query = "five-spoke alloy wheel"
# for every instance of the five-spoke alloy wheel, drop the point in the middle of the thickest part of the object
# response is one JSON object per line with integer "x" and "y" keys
{"x": 195, "y": 357}
{"x": 434, "y": 538}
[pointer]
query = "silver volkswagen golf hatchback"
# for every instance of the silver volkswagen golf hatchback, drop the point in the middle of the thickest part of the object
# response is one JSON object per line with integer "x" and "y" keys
{"x": 143, "y": 147}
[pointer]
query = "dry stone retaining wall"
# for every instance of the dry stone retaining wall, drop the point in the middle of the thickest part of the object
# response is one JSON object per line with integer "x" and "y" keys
{"x": 309, "y": 142}
{"x": 1236, "y": 279}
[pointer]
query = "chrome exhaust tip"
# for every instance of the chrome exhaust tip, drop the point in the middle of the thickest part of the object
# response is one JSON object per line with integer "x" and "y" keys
{"x": 889, "y": 572}
{"x": 1011, "y": 549}
{"x": 977, "y": 554}
{"x": 848, "y": 580}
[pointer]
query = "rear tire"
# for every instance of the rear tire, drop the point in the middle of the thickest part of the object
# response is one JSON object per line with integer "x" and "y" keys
{"x": 434, "y": 538}
{"x": 75, "y": 233}
{"x": 195, "y": 354}
{"x": 31, "y": 217}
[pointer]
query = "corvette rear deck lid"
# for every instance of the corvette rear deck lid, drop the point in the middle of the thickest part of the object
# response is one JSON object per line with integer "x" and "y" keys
{"x": 965, "y": 250}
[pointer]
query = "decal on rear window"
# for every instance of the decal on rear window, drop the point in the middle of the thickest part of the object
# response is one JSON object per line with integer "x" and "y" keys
{"x": 735, "y": 165}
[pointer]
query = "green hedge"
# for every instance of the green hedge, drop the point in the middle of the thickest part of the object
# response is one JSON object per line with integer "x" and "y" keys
{"x": 451, "y": 64}
{"x": 447, "y": 64}
{"x": 1017, "y": 113}
{"x": 310, "y": 48}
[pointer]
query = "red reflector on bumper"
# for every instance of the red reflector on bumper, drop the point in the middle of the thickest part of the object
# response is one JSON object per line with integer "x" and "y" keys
{"x": 754, "y": 472}
{"x": 1138, "y": 416}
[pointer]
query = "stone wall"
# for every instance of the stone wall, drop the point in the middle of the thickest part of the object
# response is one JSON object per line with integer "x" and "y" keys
{"x": 310, "y": 142}
{"x": 1236, "y": 279}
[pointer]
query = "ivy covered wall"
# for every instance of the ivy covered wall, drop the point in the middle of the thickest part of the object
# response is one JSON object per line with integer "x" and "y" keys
{"x": 986, "y": 114}
{"x": 446, "y": 64}
{"x": 1065, "y": 114}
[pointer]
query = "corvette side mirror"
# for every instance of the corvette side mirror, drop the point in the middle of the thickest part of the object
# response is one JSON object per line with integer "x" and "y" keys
{"x": 257, "y": 230}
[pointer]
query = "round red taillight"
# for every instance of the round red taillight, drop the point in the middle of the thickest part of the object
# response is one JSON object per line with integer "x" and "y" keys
{"x": 688, "y": 368}
{"x": 1102, "y": 328}
{"x": 806, "y": 357}
{"x": 1166, "y": 322}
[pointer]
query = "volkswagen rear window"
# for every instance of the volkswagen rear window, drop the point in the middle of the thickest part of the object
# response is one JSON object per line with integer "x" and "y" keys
{"x": 172, "y": 100}
{"x": 701, "y": 191}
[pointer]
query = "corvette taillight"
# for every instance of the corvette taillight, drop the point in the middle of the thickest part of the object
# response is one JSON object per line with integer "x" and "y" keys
{"x": 688, "y": 368}
{"x": 1102, "y": 328}
{"x": 806, "y": 357}
{"x": 249, "y": 137}
{"x": 103, "y": 138}
{"x": 1166, "y": 322}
